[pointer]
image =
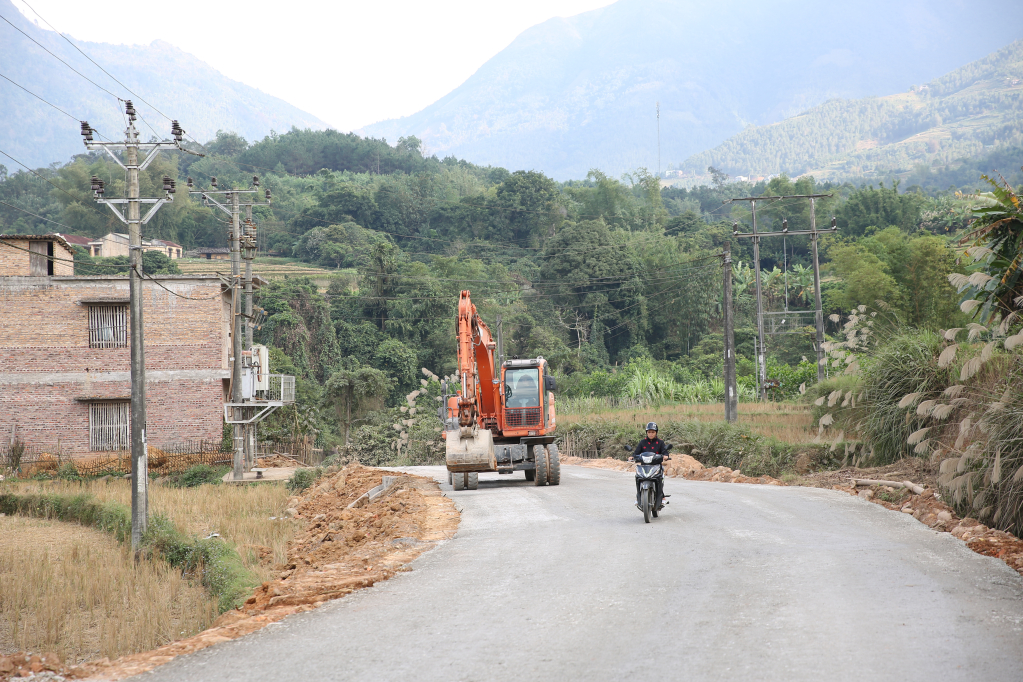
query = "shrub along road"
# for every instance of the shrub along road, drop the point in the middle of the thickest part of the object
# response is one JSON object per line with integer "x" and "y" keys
{"x": 732, "y": 582}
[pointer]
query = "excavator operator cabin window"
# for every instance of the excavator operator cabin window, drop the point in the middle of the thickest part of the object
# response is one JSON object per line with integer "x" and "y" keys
{"x": 522, "y": 387}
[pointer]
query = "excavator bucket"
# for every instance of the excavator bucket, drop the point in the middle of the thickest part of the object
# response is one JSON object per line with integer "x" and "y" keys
{"x": 473, "y": 452}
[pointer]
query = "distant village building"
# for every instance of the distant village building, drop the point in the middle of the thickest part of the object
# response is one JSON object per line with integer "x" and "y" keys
{"x": 116, "y": 244}
{"x": 64, "y": 356}
{"x": 212, "y": 253}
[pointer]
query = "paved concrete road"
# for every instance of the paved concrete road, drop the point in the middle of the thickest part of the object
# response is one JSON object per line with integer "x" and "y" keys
{"x": 733, "y": 582}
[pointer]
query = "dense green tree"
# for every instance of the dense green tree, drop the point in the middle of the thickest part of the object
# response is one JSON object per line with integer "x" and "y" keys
{"x": 354, "y": 391}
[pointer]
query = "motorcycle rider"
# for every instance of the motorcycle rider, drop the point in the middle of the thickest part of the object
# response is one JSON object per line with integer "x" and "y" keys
{"x": 654, "y": 445}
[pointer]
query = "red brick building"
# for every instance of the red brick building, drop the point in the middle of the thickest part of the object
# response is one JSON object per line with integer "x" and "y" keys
{"x": 64, "y": 356}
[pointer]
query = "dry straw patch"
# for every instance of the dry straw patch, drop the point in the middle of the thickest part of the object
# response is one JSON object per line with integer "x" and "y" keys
{"x": 249, "y": 517}
{"x": 51, "y": 599}
{"x": 787, "y": 422}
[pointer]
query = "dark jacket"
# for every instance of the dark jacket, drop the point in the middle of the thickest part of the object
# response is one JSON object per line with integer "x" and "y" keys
{"x": 647, "y": 445}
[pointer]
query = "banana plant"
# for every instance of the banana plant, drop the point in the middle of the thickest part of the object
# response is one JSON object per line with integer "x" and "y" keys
{"x": 994, "y": 284}
{"x": 742, "y": 278}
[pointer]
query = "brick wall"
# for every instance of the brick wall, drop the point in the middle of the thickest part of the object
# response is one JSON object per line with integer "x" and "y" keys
{"x": 47, "y": 327}
{"x": 48, "y": 415}
{"x": 14, "y": 258}
{"x": 48, "y": 371}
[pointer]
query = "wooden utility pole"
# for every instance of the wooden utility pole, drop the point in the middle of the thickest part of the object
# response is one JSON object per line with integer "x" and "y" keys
{"x": 731, "y": 390}
{"x": 134, "y": 220}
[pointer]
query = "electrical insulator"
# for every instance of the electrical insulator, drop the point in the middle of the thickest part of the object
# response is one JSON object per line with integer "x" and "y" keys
{"x": 785, "y": 225}
{"x": 267, "y": 194}
{"x": 100, "y": 190}
{"x": 834, "y": 223}
{"x": 174, "y": 187}
{"x": 213, "y": 181}
{"x": 95, "y": 183}
{"x": 735, "y": 228}
{"x": 255, "y": 181}
{"x": 190, "y": 183}
{"x": 176, "y": 131}
{"x": 129, "y": 109}
{"x": 86, "y": 131}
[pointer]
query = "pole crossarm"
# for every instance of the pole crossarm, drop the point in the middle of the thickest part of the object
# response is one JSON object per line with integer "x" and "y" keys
{"x": 785, "y": 196}
{"x": 785, "y": 232}
{"x": 789, "y": 233}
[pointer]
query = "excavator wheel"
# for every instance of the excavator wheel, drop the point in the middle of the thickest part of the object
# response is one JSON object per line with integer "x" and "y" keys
{"x": 472, "y": 480}
{"x": 530, "y": 474}
{"x": 458, "y": 481}
{"x": 553, "y": 465}
{"x": 540, "y": 454}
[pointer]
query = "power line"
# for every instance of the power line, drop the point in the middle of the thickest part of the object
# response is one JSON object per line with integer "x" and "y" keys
{"x": 38, "y": 97}
{"x": 59, "y": 59}
{"x": 34, "y": 215}
{"x": 36, "y": 174}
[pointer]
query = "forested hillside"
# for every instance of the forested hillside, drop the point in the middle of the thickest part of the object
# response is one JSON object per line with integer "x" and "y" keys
{"x": 974, "y": 110}
{"x": 617, "y": 282}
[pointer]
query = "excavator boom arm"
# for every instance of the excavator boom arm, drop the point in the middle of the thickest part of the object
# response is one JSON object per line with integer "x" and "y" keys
{"x": 476, "y": 365}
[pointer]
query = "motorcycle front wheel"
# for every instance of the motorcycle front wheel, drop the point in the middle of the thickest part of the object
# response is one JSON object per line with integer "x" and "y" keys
{"x": 647, "y": 504}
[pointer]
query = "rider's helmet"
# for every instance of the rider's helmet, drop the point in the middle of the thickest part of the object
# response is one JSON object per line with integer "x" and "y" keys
{"x": 652, "y": 426}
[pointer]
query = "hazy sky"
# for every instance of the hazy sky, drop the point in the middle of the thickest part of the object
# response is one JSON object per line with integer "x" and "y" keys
{"x": 349, "y": 63}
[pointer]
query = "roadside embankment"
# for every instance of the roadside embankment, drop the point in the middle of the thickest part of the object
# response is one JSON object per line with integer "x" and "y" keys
{"x": 340, "y": 549}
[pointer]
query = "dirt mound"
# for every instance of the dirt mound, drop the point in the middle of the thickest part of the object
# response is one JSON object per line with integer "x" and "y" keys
{"x": 680, "y": 466}
{"x": 277, "y": 462}
{"x": 340, "y": 550}
{"x": 23, "y": 664}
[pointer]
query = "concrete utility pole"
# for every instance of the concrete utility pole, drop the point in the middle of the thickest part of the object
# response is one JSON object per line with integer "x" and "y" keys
{"x": 134, "y": 221}
{"x": 244, "y": 448}
{"x": 658, "y": 140}
{"x": 756, "y": 236}
{"x": 819, "y": 312}
{"x": 731, "y": 390}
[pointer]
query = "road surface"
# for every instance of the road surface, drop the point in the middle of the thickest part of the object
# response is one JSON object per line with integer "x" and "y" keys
{"x": 733, "y": 582}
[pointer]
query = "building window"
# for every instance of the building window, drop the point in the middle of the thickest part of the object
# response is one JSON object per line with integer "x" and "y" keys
{"x": 108, "y": 426}
{"x": 108, "y": 326}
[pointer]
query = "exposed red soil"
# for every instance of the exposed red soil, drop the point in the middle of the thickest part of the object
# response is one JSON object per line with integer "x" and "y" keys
{"x": 340, "y": 550}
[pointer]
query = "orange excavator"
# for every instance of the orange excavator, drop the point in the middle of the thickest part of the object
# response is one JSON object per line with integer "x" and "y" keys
{"x": 501, "y": 418}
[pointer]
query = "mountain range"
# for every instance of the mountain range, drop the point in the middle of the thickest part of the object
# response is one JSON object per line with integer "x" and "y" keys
{"x": 173, "y": 81}
{"x": 966, "y": 113}
{"x": 573, "y": 94}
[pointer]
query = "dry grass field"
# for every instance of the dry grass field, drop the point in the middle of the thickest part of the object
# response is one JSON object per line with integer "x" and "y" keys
{"x": 788, "y": 422}
{"x": 51, "y": 599}
{"x": 248, "y": 517}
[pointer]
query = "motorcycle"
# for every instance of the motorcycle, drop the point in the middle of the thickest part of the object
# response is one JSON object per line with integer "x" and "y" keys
{"x": 650, "y": 476}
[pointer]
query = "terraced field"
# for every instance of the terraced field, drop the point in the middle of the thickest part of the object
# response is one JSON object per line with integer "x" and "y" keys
{"x": 267, "y": 268}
